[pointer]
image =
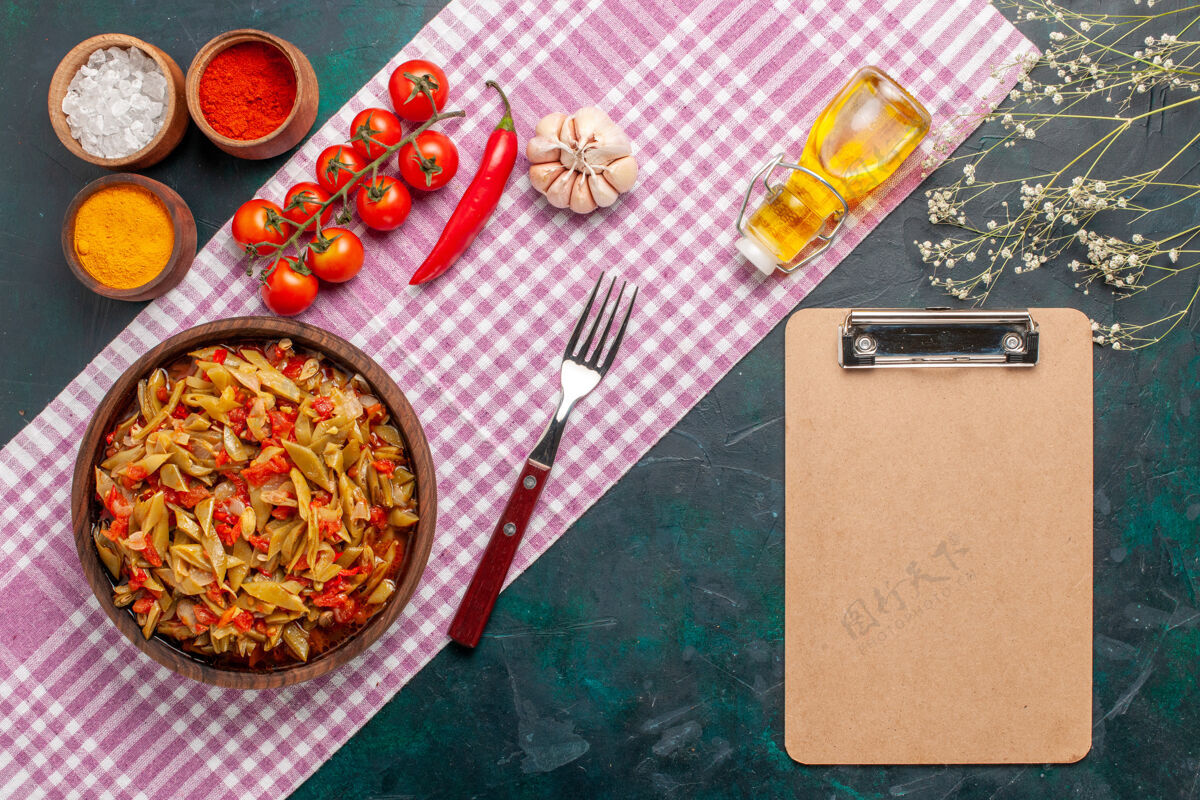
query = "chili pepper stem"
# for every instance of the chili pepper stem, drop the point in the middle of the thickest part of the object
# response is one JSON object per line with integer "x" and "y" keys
{"x": 506, "y": 122}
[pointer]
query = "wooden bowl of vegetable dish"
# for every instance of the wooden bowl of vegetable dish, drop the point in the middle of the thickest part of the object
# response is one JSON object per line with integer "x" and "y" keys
{"x": 254, "y": 502}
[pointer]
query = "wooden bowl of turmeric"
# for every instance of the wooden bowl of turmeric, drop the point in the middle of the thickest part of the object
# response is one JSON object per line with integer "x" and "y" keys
{"x": 129, "y": 237}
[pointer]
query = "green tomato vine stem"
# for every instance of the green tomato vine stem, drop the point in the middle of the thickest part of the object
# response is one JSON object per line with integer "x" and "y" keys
{"x": 276, "y": 251}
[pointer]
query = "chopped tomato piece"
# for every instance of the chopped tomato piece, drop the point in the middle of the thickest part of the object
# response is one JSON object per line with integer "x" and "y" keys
{"x": 152, "y": 556}
{"x": 243, "y": 621}
{"x": 137, "y": 578}
{"x": 219, "y": 355}
{"x": 118, "y": 504}
{"x": 227, "y": 615}
{"x": 301, "y": 564}
{"x": 260, "y": 626}
{"x": 142, "y": 605}
{"x": 228, "y": 534}
{"x": 293, "y": 366}
{"x": 261, "y": 543}
{"x": 346, "y": 611}
{"x": 214, "y": 592}
{"x": 281, "y": 424}
{"x": 323, "y": 407}
{"x": 118, "y": 530}
{"x": 192, "y": 496}
{"x": 378, "y": 516}
{"x": 162, "y": 394}
{"x": 222, "y": 458}
{"x": 237, "y": 420}
{"x": 384, "y": 467}
{"x": 329, "y": 527}
{"x": 258, "y": 474}
{"x": 330, "y": 599}
{"x": 275, "y": 354}
{"x": 111, "y": 435}
{"x": 283, "y": 512}
{"x": 204, "y": 614}
{"x": 243, "y": 493}
{"x": 180, "y": 412}
{"x": 221, "y": 514}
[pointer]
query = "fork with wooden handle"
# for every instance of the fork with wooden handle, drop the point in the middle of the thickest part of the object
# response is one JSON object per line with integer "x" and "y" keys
{"x": 583, "y": 365}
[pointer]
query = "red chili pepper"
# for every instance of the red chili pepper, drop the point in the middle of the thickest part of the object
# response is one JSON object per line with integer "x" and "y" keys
{"x": 478, "y": 202}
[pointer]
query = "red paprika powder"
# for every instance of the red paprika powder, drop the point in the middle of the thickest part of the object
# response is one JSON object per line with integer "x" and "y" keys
{"x": 247, "y": 90}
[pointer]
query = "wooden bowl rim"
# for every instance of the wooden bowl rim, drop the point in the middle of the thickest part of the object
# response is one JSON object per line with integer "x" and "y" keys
{"x": 169, "y": 198}
{"x": 219, "y": 44}
{"x": 85, "y": 49}
{"x": 405, "y": 418}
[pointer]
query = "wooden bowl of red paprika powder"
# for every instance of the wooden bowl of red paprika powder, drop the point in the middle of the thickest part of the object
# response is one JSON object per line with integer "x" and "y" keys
{"x": 253, "y": 94}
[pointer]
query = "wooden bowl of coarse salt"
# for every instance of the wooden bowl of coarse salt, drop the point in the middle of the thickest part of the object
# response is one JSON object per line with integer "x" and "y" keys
{"x": 152, "y": 110}
{"x": 128, "y": 237}
{"x": 253, "y": 94}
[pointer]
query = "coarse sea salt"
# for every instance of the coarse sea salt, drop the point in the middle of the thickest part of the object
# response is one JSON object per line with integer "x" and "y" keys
{"x": 116, "y": 103}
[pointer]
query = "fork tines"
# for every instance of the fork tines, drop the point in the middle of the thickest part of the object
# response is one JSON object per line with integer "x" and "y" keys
{"x": 586, "y": 355}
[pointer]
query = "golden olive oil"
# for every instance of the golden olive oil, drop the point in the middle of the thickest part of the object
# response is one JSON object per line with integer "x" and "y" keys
{"x": 856, "y": 143}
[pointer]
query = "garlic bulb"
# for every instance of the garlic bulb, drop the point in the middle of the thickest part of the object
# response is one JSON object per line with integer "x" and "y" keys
{"x": 583, "y": 161}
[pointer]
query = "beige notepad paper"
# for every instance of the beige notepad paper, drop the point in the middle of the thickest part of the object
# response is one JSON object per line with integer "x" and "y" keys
{"x": 939, "y": 553}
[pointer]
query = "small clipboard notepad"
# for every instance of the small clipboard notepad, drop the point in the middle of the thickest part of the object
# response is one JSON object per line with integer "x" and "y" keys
{"x": 938, "y": 536}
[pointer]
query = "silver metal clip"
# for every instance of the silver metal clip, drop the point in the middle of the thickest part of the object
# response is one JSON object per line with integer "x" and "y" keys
{"x": 773, "y": 190}
{"x": 937, "y": 337}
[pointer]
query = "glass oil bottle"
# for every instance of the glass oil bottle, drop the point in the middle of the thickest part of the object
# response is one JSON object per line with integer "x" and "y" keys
{"x": 858, "y": 140}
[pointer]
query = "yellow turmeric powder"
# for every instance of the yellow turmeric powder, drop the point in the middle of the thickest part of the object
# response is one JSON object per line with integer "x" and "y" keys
{"x": 123, "y": 235}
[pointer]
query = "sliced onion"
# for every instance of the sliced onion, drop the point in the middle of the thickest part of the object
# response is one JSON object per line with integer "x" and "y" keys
{"x": 187, "y": 613}
{"x": 224, "y": 491}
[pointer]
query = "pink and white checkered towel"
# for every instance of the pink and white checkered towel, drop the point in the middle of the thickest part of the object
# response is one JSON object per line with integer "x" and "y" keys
{"x": 706, "y": 89}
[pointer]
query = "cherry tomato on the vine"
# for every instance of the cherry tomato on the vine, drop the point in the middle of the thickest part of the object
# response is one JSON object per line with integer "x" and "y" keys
{"x": 431, "y": 163}
{"x": 381, "y": 126}
{"x": 336, "y": 167}
{"x": 302, "y": 202}
{"x": 336, "y": 255}
{"x": 383, "y": 203}
{"x": 259, "y": 225}
{"x": 407, "y": 87}
{"x": 287, "y": 291}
